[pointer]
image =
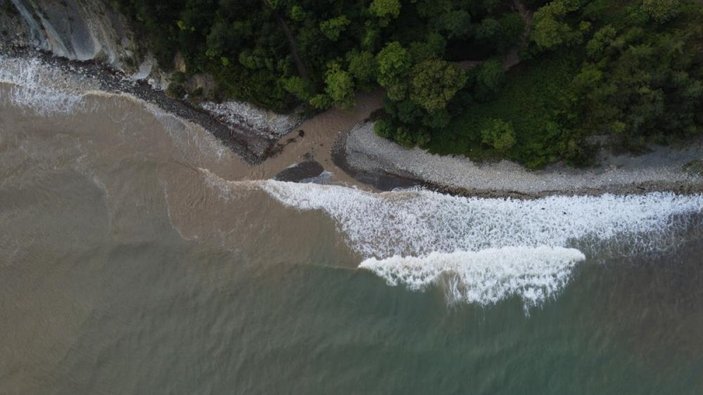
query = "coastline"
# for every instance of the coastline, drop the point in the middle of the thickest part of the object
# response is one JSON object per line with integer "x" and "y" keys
{"x": 342, "y": 144}
{"x": 375, "y": 160}
{"x": 250, "y": 145}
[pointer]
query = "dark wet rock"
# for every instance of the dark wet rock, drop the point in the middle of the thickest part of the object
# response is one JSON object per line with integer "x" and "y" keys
{"x": 246, "y": 142}
{"x": 379, "y": 179}
{"x": 302, "y": 171}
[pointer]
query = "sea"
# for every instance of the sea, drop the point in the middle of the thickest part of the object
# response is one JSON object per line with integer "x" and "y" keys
{"x": 138, "y": 255}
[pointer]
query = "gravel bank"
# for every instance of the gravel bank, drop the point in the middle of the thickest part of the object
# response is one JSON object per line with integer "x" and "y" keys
{"x": 364, "y": 154}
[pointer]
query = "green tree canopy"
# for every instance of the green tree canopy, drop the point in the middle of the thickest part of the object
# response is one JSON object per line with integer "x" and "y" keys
{"x": 334, "y": 27}
{"x": 662, "y": 10}
{"x": 434, "y": 83}
{"x": 551, "y": 26}
{"x": 362, "y": 66}
{"x": 339, "y": 85}
{"x": 498, "y": 134}
{"x": 385, "y": 8}
{"x": 393, "y": 62}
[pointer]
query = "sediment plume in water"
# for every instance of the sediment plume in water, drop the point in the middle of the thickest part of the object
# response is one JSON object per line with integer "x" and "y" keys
{"x": 485, "y": 249}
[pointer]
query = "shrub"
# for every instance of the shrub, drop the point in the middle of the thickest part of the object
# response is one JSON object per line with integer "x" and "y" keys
{"x": 499, "y": 135}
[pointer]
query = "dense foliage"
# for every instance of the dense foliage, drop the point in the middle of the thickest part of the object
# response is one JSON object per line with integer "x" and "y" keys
{"x": 535, "y": 81}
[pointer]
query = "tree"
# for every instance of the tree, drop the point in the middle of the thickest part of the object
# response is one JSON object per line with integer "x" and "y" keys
{"x": 551, "y": 29}
{"x": 298, "y": 87}
{"x": 332, "y": 28}
{"x": 662, "y": 11}
{"x": 499, "y": 135}
{"x": 502, "y": 33}
{"x": 454, "y": 23}
{"x": 432, "y": 47}
{"x": 434, "y": 83}
{"x": 297, "y": 13}
{"x": 489, "y": 78}
{"x": 339, "y": 85}
{"x": 393, "y": 64}
{"x": 488, "y": 30}
{"x": 385, "y": 8}
{"x": 601, "y": 42}
{"x": 362, "y": 66}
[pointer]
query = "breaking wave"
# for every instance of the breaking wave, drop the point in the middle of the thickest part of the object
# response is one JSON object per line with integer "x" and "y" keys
{"x": 490, "y": 249}
{"x": 481, "y": 250}
{"x": 485, "y": 276}
{"x": 40, "y": 87}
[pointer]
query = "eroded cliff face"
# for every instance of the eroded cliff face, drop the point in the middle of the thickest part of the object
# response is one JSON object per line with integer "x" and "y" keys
{"x": 74, "y": 29}
{"x": 94, "y": 30}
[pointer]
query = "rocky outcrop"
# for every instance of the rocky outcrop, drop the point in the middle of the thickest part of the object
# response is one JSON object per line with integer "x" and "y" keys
{"x": 268, "y": 124}
{"x": 73, "y": 29}
{"x": 92, "y": 37}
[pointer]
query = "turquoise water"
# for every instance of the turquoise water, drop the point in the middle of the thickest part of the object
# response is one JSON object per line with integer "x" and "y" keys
{"x": 169, "y": 318}
{"x": 129, "y": 265}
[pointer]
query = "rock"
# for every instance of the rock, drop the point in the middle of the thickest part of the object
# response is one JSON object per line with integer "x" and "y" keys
{"x": 301, "y": 171}
{"x": 201, "y": 85}
{"x": 179, "y": 63}
{"x": 74, "y": 29}
{"x": 266, "y": 123}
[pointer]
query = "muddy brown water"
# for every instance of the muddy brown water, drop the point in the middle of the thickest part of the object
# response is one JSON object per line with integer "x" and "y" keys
{"x": 138, "y": 255}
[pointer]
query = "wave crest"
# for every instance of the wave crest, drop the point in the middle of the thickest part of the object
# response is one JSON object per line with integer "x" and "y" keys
{"x": 489, "y": 249}
{"x": 484, "y": 277}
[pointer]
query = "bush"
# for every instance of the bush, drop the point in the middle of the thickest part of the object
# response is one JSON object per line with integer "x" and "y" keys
{"x": 662, "y": 11}
{"x": 499, "y": 135}
{"x": 489, "y": 78}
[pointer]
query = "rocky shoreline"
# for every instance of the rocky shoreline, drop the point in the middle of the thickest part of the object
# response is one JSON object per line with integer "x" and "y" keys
{"x": 372, "y": 161}
{"x": 252, "y": 145}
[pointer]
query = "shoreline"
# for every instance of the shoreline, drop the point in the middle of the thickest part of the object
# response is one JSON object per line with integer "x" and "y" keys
{"x": 342, "y": 143}
{"x": 250, "y": 145}
{"x": 386, "y": 165}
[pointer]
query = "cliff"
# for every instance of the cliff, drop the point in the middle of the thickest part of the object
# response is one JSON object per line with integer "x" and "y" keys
{"x": 73, "y": 29}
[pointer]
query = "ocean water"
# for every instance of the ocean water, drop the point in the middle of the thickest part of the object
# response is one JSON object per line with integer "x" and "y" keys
{"x": 137, "y": 255}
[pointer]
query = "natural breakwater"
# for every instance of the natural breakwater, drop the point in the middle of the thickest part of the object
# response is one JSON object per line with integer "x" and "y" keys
{"x": 38, "y": 71}
{"x": 135, "y": 258}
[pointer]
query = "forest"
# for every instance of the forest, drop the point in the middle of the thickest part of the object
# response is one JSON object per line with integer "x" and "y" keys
{"x": 527, "y": 80}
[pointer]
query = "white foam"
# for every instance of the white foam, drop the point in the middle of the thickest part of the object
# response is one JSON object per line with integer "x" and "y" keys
{"x": 486, "y": 276}
{"x": 420, "y": 222}
{"x": 235, "y": 113}
{"x": 48, "y": 90}
{"x": 42, "y": 88}
{"x": 470, "y": 235}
